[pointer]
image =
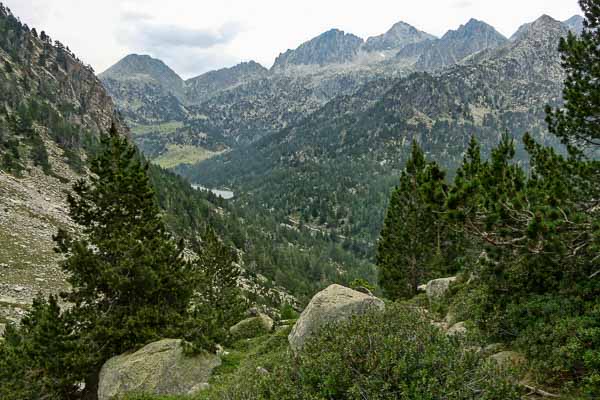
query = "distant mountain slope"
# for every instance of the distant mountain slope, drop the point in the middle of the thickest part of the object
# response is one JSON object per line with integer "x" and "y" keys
{"x": 340, "y": 162}
{"x": 146, "y": 90}
{"x": 208, "y": 85}
{"x": 575, "y": 23}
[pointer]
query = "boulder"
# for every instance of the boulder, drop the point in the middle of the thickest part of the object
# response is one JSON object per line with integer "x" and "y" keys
{"x": 160, "y": 368}
{"x": 334, "y": 304}
{"x": 252, "y": 327}
{"x": 458, "y": 329}
{"x": 437, "y": 288}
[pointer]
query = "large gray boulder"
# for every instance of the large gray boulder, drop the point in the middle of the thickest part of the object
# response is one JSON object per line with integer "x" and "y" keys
{"x": 334, "y": 304}
{"x": 437, "y": 288}
{"x": 159, "y": 368}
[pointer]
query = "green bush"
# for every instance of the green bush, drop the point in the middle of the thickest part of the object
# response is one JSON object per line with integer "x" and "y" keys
{"x": 395, "y": 354}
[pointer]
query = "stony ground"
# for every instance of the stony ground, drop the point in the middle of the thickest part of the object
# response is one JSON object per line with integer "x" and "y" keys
{"x": 32, "y": 208}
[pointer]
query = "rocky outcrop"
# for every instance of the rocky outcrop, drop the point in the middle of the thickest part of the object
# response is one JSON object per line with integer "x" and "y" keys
{"x": 252, "y": 327}
{"x": 437, "y": 288}
{"x": 334, "y": 304}
{"x": 159, "y": 368}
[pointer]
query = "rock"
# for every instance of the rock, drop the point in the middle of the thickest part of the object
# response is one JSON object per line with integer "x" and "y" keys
{"x": 2, "y": 329}
{"x": 509, "y": 359}
{"x": 458, "y": 329}
{"x": 437, "y": 288}
{"x": 422, "y": 288}
{"x": 252, "y": 327}
{"x": 262, "y": 371}
{"x": 159, "y": 368}
{"x": 334, "y": 304}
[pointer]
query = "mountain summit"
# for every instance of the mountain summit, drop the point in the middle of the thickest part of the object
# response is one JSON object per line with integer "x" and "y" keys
{"x": 455, "y": 45}
{"x": 144, "y": 67}
{"x": 399, "y": 35}
{"x": 331, "y": 47}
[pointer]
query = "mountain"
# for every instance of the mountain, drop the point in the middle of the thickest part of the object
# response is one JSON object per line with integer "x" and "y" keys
{"x": 455, "y": 45}
{"x": 208, "y": 85}
{"x": 331, "y": 47}
{"x": 399, "y": 36}
{"x": 575, "y": 23}
{"x": 146, "y": 89}
{"x": 336, "y": 167}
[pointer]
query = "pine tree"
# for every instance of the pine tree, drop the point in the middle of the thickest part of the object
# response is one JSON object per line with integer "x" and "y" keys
{"x": 36, "y": 358}
{"x": 412, "y": 246}
{"x": 577, "y": 123}
{"x": 130, "y": 283}
{"x": 218, "y": 303}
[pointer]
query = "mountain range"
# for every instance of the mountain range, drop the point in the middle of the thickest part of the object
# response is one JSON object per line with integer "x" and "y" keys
{"x": 183, "y": 122}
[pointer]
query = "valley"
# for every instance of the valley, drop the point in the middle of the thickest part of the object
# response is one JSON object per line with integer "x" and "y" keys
{"x": 401, "y": 215}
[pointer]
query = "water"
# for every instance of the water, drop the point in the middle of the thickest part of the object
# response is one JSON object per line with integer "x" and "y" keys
{"x": 225, "y": 194}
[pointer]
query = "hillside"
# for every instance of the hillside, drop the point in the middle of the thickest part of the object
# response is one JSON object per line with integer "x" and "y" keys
{"x": 52, "y": 110}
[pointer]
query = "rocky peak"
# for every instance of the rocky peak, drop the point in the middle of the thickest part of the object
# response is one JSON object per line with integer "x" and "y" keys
{"x": 575, "y": 23}
{"x": 475, "y": 30}
{"x": 540, "y": 29}
{"x": 209, "y": 84}
{"x": 332, "y": 47}
{"x": 458, "y": 44}
{"x": 399, "y": 35}
{"x": 146, "y": 68}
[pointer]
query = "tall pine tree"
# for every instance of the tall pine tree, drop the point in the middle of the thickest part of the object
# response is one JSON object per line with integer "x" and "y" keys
{"x": 130, "y": 283}
{"x": 414, "y": 243}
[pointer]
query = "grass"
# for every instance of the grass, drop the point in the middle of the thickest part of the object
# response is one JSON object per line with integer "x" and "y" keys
{"x": 183, "y": 154}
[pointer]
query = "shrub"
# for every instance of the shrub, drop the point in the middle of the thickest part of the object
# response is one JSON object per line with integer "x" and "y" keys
{"x": 394, "y": 354}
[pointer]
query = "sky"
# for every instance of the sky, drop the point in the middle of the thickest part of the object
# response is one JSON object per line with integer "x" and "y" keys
{"x": 195, "y": 36}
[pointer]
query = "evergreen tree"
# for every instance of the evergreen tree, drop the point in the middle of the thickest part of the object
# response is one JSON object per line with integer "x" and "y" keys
{"x": 38, "y": 358}
{"x": 218, "y": 303}
{"x": 413, "y": 243}
{"x": 130, "y": 283}
{"x": 577, "y": 123}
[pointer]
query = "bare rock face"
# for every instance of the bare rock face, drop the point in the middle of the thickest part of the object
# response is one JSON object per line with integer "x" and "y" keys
{"x": 159, "y": 368}
{"x": 437, "y": 288}
{"x": 334, "y": 304}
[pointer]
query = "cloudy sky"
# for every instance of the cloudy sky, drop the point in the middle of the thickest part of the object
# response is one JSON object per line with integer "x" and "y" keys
{"x": 194, "y": 36}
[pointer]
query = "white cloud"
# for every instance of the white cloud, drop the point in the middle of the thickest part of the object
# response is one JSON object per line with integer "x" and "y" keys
{"x": 193, "y": 36}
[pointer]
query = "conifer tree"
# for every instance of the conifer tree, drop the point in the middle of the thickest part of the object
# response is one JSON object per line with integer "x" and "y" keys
{"x": 577, "y": 122}
{"x": 38, "y": 358}
{"x": 130, "y": 283}
{"x": 412, "y": 245}
{"x": 218, "y": 303}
